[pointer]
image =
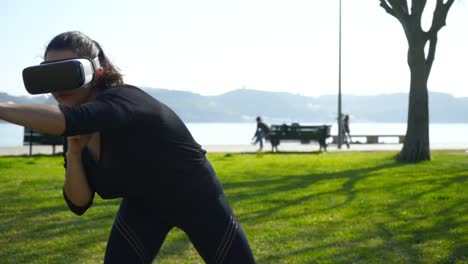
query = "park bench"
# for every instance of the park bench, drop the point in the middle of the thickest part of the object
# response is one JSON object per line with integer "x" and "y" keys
{"x": 296, "y": 132}
{"x": 32, "y": 137}
{"x": 372, "y": 139}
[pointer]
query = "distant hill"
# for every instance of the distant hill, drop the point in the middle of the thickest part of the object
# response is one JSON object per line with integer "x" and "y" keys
{"x": 4, "y": 97}
{"x": 244, "y": 105}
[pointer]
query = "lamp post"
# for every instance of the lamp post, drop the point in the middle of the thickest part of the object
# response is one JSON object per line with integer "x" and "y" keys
{"x": 340, "y": 129}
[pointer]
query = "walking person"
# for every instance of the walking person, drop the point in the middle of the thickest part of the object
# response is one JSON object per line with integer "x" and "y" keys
{"x": 260, "y": 132}
{"x": 123, "y": 143}
{"x": 346, "y": 134}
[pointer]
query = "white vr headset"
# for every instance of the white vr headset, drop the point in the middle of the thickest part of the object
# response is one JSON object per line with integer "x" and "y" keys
{"x": 55, "y": 76}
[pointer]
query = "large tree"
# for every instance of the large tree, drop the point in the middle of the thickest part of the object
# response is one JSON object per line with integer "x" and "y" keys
{"x": 416, "y": 146}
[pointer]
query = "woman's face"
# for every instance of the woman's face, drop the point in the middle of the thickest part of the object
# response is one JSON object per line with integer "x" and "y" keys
{"x": 69, "y": 97}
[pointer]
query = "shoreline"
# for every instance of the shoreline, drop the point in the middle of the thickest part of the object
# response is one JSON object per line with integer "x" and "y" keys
{"x": 284, "y": 147}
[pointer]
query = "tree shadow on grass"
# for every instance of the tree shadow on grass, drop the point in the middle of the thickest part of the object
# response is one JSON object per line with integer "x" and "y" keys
{"x": 442, "y": 221}
{"x": 288, "y": 184}
{"x": 402, "y": 237}
{"x": 316, "y": 152}
{"x": 177, "y": 244}
{"x": 52, "y": 234}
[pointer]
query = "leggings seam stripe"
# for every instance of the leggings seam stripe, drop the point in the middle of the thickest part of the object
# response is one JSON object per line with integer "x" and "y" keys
{"x": 232, "y": 228}
{"x": 223, "y": 240}
{"x": 134, "y": 240}
{"x": 230, "y": 243}
{"x": 225, "y": 244}
{"x": 125, "y": 224}
{"x": 127, "y": 233}
{"x": 130, "y": 240}
{"x": 132, "y": 233}
{"x": 142, "y": 258}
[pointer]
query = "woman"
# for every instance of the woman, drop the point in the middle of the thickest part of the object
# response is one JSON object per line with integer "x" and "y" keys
{"x": 122, "y": 143}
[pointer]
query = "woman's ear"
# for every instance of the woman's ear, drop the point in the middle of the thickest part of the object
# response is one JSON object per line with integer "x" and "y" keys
{"x": 99, "y": 72}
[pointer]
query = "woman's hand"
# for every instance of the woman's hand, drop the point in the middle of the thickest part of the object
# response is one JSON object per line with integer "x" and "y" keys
{"x": 76, "y": 144}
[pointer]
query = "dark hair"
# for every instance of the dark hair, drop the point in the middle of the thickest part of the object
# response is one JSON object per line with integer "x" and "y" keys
{"x": 258, "y": 119}
{"x": 85, "y": 47}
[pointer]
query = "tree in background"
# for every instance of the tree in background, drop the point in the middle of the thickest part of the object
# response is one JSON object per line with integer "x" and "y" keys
{"x": 416, "y": 146}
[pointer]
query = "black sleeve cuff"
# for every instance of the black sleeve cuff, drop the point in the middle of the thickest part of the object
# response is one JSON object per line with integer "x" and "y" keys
{"x": 78, "y": 210}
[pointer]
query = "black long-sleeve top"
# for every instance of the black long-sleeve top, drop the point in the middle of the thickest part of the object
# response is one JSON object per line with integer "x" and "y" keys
{"x": 261, "y": 127}
{"x": 146, "y": 151}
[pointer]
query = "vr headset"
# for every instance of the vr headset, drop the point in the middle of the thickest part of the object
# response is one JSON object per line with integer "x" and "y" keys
{"x": 55, "y": 76}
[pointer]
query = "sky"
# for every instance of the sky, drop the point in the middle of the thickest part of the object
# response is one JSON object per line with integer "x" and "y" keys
{"x": 214, "y": 46}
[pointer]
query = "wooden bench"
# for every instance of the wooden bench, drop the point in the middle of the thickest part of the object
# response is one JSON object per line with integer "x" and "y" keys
{"x": 32, "y": 137}
{"x": 296, "y": 132}
{"x": 372, "y": 139}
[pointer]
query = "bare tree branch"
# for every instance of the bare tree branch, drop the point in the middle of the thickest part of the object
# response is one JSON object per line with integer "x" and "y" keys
{"x": 396, "y": 8}
{"x": 384, "y": 5}
{"x": 400, "y": 7}
{"x": 438, "y": 21}
{"x": 417, "y": 7}
{"x": 403, "y": 5}
{"x": 440, "y": 16}
{"x": 431, "y": 54}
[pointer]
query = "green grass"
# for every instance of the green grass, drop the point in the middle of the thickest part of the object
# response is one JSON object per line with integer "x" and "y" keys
{"x": 350, "y": 207}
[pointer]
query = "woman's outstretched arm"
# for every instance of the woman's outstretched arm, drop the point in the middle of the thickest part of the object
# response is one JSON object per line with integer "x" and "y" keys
{"x": 44, "y": 118}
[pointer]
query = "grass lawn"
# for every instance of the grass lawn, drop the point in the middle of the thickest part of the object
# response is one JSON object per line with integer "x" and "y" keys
{"x": 348, "y": 207}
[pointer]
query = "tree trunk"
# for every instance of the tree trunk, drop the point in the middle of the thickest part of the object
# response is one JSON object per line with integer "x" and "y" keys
{"x": 416, "y": 146}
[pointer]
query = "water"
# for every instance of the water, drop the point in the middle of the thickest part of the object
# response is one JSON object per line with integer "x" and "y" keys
{"x": 11, "y": 135}
{"x": 242, "y": 133}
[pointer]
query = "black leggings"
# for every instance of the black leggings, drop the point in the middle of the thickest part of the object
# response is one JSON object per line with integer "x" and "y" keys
{"x": 139, "y": 231}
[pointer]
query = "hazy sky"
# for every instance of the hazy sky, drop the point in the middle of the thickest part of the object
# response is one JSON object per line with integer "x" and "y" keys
{"x": 214, "y": 46}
